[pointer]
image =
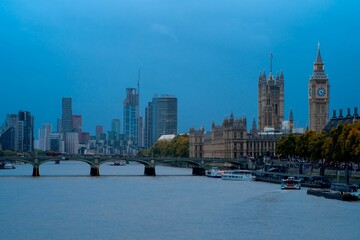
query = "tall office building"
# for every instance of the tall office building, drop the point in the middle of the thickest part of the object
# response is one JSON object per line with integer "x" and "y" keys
{"x": 67, "y": 128}
{"x": 77, "y": 123}
{"x": 18, "y": 133}
{"x": 25, "y": 132}
{"x": 8, "y": 136}
{"x": 115, "y": 126}
{"x": 160, "y": 119}
{"x": 66, "y": 119}
{"x": 99, "y": 130}
{"x": 131, "y": 119}
{"x": 319, "y": 96}
{"x": 72, "y": 142}
{"x": 56, "y": 143}
{"x": 58, "y": 125}
{"x": 77, "y": 126}
{"x": 44, "y": 136}
{"x": 115, "y": 130}
{"x": 270, "y": 100}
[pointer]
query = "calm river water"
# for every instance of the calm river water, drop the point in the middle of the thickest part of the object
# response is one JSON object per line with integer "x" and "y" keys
{"x": 66, "y": 203}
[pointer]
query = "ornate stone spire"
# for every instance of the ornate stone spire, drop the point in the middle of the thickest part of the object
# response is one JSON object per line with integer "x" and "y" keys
{"x": 318, "y": 57}
{"x": 291, "y": 117}
{"x": 253, "y": 128}
{"x": 319, "y": 64}
{"x": 253, "y": 124}
{"x": 319, "y": 72}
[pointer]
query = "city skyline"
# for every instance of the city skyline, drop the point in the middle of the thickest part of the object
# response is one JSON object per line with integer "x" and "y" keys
{"x": 207, "y": 54}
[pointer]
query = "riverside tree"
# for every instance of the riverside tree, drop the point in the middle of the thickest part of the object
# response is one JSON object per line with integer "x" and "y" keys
{"x": 340, "y": 146}
{"x": 177, "y": 147}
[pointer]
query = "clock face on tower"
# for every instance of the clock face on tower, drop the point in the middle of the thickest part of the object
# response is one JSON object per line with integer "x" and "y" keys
{"x": 321, "y": 92}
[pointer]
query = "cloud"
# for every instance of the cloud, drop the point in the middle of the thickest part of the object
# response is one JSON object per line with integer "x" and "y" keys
{"x": 164, "y": 31}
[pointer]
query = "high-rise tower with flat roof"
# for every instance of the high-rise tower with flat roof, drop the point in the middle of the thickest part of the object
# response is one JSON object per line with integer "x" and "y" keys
{"x": 66, "y": 118}
{"x": 131, "y": 118}
{"x": 160, "y": 119}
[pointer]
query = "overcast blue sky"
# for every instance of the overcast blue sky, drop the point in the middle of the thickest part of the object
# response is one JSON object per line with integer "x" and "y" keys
{"x": 207, "y": 53}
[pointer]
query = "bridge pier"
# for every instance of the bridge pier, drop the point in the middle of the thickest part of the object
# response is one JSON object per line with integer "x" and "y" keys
{"x": 36, "y": 172}
{"x": 322, "y": 171}
{"x": 94, "y": 171}
{"x": 149, "y": 171}
{"x": 198, "y": 171}
{"x": 301, "y": 168}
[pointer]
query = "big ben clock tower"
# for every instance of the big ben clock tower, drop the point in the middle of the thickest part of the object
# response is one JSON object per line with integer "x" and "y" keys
{"x": 319, "y": 96}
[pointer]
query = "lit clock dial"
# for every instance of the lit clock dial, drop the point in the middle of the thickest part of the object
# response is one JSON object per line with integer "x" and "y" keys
{"x": 321, "y": 91}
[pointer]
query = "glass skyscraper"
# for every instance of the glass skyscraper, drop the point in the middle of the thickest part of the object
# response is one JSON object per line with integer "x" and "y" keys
{"x": 66, "y": 118}
{"x": 131, "y": 120}
{"x": 160, "y": 119}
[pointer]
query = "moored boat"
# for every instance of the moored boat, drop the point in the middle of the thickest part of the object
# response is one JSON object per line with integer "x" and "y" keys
{"x": 214, "y": 172}
{"x": 290, "y": 183}
{"x": 118, "y": 163}
{"x": 238, "y": 175}
{"x": 7, "y": 165}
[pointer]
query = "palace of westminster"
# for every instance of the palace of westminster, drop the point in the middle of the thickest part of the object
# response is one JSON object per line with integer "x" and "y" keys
{"x": 232, "y": 140}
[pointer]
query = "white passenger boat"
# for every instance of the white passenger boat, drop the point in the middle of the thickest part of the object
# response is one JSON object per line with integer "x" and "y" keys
{"x": 238, "y": 175}
{"x": 214, "y": 172}
{"x": 118, "y": 163}
{"x": 8, "y": 165}
{"x": 290, "y": 183}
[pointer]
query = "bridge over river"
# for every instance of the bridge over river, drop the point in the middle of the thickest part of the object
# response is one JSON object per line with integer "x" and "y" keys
{"x": 198, "y": 164}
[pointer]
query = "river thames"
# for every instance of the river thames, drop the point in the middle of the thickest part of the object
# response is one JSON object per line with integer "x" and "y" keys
{"x": 66, "y": 203}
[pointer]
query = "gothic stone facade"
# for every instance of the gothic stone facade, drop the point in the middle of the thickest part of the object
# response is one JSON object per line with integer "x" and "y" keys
{"x": 231, "y": 140}
{"x": 319, "y": 96}
{"x": 270, "y": 101}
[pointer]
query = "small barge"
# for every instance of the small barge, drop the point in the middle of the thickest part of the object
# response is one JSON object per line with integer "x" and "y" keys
{"x": 337, "y": 191}
{"x": 306, "y": 180}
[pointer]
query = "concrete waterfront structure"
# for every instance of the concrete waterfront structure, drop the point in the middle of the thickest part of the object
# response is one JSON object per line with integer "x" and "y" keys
{"x": 318, "y": 96}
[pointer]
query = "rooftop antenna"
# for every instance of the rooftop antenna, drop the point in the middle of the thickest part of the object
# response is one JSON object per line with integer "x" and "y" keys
{"x": 138, "y": 89}
{"x": 271, "y": 56}
{"x": 138, "y": 82}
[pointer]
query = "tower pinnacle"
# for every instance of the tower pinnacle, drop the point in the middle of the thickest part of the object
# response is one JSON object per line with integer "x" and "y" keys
{"x": 271, "y": 56}
{"x": 318, "y": 57}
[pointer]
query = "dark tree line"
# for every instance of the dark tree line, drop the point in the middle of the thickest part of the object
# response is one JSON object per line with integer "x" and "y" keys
{"x": 340, "y": 146}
